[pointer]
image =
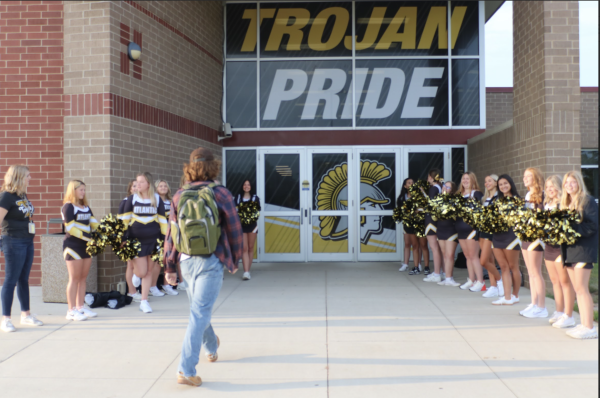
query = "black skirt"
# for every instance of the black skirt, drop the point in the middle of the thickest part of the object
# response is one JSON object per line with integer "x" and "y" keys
{"x": 74, "y": 249}
{"x": 250, "y": 228}
{"x": 537, "y": 246}
{"x": 408, "y": 230}
{"x": 506, "y": 240}
{"x": 486, "y": 236}
{"x": 465, "y": 231}
{"x": 430, "y": 226}
{"x": 446, "y": 230}
{"x": 552, "y": 253}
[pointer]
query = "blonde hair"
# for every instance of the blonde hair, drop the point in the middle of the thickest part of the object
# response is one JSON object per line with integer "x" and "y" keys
{"x": 487, "y": 193}
{"x": 473, "y": 178}
{"x": 14, "y": 180}
{"x": 151, "y": 191}
{"x": 536, "y": 189}
{"x": 71, "y": 197}
{"x": 557, "y": 184}
{"x": 157, "y": 183}
{"x": 580, "y": 198}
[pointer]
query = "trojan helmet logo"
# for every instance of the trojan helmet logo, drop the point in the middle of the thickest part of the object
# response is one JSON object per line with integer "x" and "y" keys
{"x": 332, "y": 194}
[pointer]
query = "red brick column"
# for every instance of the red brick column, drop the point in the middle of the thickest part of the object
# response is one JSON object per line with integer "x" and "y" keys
{"x": 31, "y": 105}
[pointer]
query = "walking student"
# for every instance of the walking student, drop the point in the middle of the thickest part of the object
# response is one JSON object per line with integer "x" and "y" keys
{"x": 18, "y": 231}
{"x": 411, "y": 242}
{"x": 485, "y": 242}
{"x": 79, "y": 223}
{"x": 249, "y": 230}
{"x": 202, "y": 266}
{"x": 448, "y": 240}
{"x": 579, "y": 257}
{"x": 164, "y": 191}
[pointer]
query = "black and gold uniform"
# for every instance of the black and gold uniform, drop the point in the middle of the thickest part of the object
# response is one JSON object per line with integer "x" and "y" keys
{"x": 430, "y": 225}
{"x": 584, "y": 252}
{"x": 537, "y": 245}
{"x": 144, "y": 221}
{"x": 253, "y": 227}
{"x": 488, "y": 201}
{"x": 552, "y": 252}
{"x": 79, "y": 224}
{"x": 465, "y": 231}
{"x": 167, "y": 203}
{"x": 407, "y": 230}
{"x": 506, "y": 240}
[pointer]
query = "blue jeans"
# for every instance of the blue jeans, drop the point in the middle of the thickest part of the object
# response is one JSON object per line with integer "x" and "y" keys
{"x": 18, "y": 254}
{"x": 204, "y": 277}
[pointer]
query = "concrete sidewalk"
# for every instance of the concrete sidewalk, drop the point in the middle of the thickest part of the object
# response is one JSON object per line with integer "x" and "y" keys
{"x": 306, "y": 330}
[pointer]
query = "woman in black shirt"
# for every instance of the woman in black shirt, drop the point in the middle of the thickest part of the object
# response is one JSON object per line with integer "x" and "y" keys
{"x": 411, "y": 242}
{"x": 250, "y": 230}
{"x": 18, "y": 231}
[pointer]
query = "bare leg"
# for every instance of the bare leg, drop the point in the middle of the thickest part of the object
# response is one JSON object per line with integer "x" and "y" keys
{"x": 437, "y": 253}
{"x": 487, "y": 261}
{"x": 448, "y": 250}
{"x": 424, "y": 251}
{"x": 472, "y": 256}
{"x": 155, "y": 273}
{"x": 251, "y": 241}
{"x": 75, "y": 269}
{"x": 506, "y": 277}
{"x": 581, "y": 280}
{"x": 407, "y": 244}
{"x": 533, "y": 261}
{"x": 142, "y": 268}
{"x": 245, "y": 257}
{"x": 567, "y": 288}
{"x": 129, "y": 276}
{"x": 513, "y": 261}
{"x": 85, "y": 270}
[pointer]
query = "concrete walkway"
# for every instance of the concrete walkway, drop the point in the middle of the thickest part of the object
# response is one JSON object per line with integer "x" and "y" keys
{"x": 307, "y": 330}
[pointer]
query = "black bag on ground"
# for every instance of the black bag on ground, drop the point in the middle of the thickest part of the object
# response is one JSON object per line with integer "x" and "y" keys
{"x": 461, "y": 261}
{"x": 113, "y": 300}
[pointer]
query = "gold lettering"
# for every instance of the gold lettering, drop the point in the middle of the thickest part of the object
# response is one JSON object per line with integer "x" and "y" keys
{"x": 372, "y": 31}
{"x": 249, "y": 44}
{"x": 280, "y": 28}
{"x": 315, "y": 37}
{"x": 458, "y": 15}
{"x": 408, "y": 37}
{"x": 435, "y": 21}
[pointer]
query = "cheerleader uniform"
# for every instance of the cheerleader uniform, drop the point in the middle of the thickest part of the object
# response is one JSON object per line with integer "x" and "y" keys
{"x": 552, "y": 252}
{"x": 79, "y": 224}
{"x": 488, "y": 202}
{"x": 465, "y": 231}
{"x": 585, "y": 251}
{"x": 430, "y": 225}
{"x": 144, "y": 222}
{"x": 407, "y": 230}
{"x": 537, "y": 245}
{"x": 506, "y": 240}
{"x": 251, "y": 228}
{"x": 446, "y": 230}
{"x": 167, "y": 203}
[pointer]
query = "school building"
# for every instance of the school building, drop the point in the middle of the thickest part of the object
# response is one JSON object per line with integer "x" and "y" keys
{"x": 326, "y": 107}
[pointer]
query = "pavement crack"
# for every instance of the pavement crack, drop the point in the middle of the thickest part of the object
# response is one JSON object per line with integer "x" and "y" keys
{"x": 29, "y": 345}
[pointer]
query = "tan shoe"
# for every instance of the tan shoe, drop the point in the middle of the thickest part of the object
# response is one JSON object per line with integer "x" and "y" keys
{"x": 194, "y": 381}
{"x": 215, "y": 356}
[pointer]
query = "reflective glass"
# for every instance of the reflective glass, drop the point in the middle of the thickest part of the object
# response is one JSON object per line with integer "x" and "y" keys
{"x": 241, "y": 94}
{"x": 589, "y": 157}
{"x": 239, "y": 167}
{"x": 458, "y": 164}
{"x": 590, "y": 177}
{"x": 282, "y": 182}
{"x": 377, "y": 234}
{"x": 330, "y": 181}
{"x": 377, "y": 181}
{"x": 465, "y": 92}
{"x": 282, "y": 234}
{"x": 325, "y": 234}
{"x": 419, "y": 164}
{"x": 241, "y": 30}
{"x": 465, "y": 20}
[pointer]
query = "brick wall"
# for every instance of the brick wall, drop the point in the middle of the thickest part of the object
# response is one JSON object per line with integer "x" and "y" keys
{"x": 589, "y": 117}
{"x": 31, "y": 109}
{"x": 499, "y": 106}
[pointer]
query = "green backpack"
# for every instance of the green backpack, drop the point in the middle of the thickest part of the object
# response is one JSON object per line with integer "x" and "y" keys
{"x": 197, "y": 229}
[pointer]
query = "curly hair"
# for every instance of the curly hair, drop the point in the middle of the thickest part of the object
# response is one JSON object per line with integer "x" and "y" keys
{"x": 537, "y": 188}
{"x": 201, "y": 171}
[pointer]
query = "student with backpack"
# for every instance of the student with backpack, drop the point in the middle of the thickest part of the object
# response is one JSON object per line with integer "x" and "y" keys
{"x": 205, "y": 236}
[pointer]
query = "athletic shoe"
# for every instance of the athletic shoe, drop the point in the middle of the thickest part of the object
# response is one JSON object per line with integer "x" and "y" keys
{"x": 433, "y": 277}
{"x": 136, "y": 280}
{"x": 87, "y": 312}
{"x": 555, "y": 317}
{"x": 583, "y": 333}
{"x": 536, "y": 312}
{"x": 420, "y": 268}
{"x": 414, "y": 271}
{"x": 214, "y": 356}
{"x": 7, "y": 326}
{"x": 564, "y": 322}
{"x": 491, "y": 292}
{"x": 426, "y": 271}
{"x": 403, "y": 268}
{"x": 169, "y": 290}
{"x": 527, "y": 309}
{"x": 467, "y": 284}
{"x": 182, "y": 285}
{"x": 246, "y": 276}
{"x": 194, "y": 381}
{"x": 75, "y": 315}
{"x": 514, "y": 299}
{"x": 503, "y": 301}
{"x": 500, "y": 288}
{"x": 137, "y": 296}
{"x": 451, "y": 282}
{"x": 477, "y": 287}
{"x": 155, "y": 292}
{"x": 31, "y": 320}
{"x": 145, "y": 307}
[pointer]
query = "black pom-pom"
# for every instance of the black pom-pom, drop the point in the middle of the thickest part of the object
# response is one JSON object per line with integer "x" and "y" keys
{"x": 248, "y": 212}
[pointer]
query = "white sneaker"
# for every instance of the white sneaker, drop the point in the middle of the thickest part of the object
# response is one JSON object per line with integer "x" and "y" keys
{"x": 182, "y": 285}
{"x": 527, "y": 309}
{"x": 443, "y": 282}
{"x": 564, "y": 322}
{"x": 433, "y": 278}
{"x": 451, "y": 282}
{"x": 7, "y": 326}
{"x": 503, "y": 301}
{"x": 514, "y": 299}
{"x": 574, "y": 330}
{"x": 467, "y": 284}
{"x": 155, "y": 292}
{"x": 87, "y": 312}
{"x": 145, "y": 307}
{"x": 500, "y": 288}
{"x": 584, "y": 333}
{"x": 536, "y": 312}
{"x": 169, "y": 290}
{"x": 492, "y": 291}
{"x": 246, "y": 276}
{"x": 75, "y": 315}
{"x": 477, "y": 287}
{"x": 136, "y": 280}
{"x": 403, "y": 268}
{"x": 31, "y": 319}
{"x": 137, "y": 296}
{"x": 555, "y": 317}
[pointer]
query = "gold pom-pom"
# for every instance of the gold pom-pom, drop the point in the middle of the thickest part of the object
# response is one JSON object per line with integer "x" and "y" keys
{"x": 129, "y": 251}
{"x": 248, "y": 212}
{"x": 445, "y": 206}
{"x": 397, "y": 215}
{"x": 490, "y": 221}
{"x": 158, "y": 253}
{"x": 559, "y": 226}
{"x": 470, "y": 211}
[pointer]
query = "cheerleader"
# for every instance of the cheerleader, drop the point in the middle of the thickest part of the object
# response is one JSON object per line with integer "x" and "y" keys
{"x": 467, "y": 236}
{"x": 579, "y": 257}
{"x": 79, "y": 222}
{"x": 249, "y": 230}
{"x": 506, "y": 247}
{"x": 533, "y": 252}
{"x": 433, "y": 178}
{"x": 411, "y": 242}
{"x": 447, "y": 239}
{"x": 164, "y": 191}
{"x": 564, "y": 294}
{"x": 130, "y": 278}
{"x": 144, "y": 217}
{"x": 486, "y": 259}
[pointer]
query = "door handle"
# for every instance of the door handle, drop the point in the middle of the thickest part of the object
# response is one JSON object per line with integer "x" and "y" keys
{"x": 301, "y": 218}
{"x": 309, "y": 217}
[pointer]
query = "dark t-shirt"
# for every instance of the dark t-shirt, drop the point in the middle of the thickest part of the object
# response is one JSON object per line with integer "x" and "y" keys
{"x": 16, "y": 222}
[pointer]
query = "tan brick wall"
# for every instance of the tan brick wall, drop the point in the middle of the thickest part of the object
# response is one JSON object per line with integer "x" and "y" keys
{"x": 589, "y": 120}
{"x": 499, "y": 108}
